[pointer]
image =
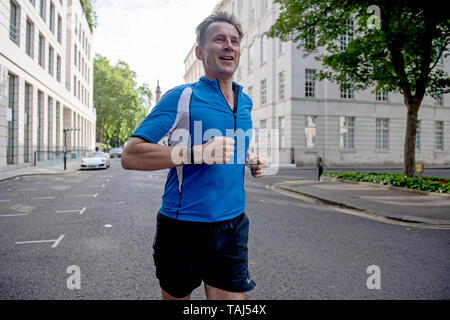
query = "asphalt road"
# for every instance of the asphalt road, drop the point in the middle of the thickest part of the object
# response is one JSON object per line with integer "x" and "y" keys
{"x": 103, "y": 223}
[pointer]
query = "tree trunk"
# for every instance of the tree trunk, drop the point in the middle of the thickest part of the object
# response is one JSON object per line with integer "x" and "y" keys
{"x": 409, "y": 151}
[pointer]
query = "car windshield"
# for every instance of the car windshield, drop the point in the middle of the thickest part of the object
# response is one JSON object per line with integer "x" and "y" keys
{"x": 116, "y": 150}
{"x": 99, "y": 155}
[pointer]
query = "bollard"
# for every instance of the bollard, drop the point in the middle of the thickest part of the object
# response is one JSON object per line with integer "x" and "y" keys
{"x": 419, "y": 169}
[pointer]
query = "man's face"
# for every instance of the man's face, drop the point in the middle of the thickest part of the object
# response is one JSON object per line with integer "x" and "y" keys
{"x": 221, "y": 51}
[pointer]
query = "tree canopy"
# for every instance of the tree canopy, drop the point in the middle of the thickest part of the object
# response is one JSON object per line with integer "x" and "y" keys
{"x": 88, "y": 10}
{"x": 391, "y": 45}
{"x": 120, "y": 104}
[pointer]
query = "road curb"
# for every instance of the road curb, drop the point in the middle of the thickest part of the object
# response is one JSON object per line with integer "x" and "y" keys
{"x": 434, "y": 222}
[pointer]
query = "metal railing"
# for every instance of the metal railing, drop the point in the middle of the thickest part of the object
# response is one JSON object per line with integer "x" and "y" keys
{"x": 54, "y": 158}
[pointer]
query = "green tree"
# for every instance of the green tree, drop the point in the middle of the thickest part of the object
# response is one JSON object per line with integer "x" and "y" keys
{"x": 394, "y": 46}
{"x": 117, "y": 100}
{"x": 145, "y": 96}
{"x": 89, "y": 12}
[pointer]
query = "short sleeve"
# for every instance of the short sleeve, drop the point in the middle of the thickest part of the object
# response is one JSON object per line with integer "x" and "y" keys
{"x": 161, "y": 119}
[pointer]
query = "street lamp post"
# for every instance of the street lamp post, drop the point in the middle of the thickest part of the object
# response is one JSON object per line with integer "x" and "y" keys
{"x": 65, "y": 144}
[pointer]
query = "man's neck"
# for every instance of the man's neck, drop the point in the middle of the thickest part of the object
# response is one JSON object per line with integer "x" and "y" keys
{"x": 226, "y": 86}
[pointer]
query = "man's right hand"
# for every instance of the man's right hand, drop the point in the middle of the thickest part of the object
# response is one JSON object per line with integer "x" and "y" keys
{"x": 218, "y": 150}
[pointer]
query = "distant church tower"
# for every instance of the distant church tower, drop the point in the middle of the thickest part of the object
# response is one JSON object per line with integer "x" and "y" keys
{"x": 158, "y": 93}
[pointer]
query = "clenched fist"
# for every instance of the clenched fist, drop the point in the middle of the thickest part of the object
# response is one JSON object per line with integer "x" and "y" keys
{"x": 218, "y": 150}
{"x": 256, "y": 165}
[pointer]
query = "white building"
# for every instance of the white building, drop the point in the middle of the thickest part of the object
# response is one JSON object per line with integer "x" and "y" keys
{"x": 46, "y": 76}
{"x": 317, "y": 119}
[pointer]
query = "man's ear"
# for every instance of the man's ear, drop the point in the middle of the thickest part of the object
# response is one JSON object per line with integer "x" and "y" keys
{"x": 198, "y": 53}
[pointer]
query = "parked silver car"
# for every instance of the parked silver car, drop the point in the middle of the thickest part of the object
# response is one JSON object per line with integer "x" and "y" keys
{"x": 116, "y": 152}
{"x": 99, "y": 160}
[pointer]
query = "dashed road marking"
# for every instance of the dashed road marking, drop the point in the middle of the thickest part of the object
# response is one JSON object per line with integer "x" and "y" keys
{"x": 13, "y": 215}
{"x": 87, "y": 195}
{"x": 43, "y": 198}
{"x": 72, "y": 211}
{"x": 56, "y": 241}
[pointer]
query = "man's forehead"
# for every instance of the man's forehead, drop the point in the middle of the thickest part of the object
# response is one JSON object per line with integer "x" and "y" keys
{"x": 221, "y": 27}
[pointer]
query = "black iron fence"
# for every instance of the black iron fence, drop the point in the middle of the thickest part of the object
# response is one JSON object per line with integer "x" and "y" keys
{"x": 53, "y": 158}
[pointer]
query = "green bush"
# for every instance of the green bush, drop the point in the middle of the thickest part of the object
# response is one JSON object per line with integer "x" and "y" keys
{"x": 426, "y": 183}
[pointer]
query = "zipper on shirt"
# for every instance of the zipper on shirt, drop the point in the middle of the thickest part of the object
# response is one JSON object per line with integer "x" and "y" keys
{"x": 236, "y": 91}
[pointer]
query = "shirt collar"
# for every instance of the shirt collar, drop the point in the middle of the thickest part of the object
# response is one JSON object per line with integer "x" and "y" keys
{"x": 214, "y": 84}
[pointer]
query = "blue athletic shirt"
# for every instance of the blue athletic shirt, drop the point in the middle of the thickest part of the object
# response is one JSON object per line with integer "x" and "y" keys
{"x": 193, "y": 114}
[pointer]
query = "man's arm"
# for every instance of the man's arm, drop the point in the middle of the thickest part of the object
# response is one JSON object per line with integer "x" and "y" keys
{"x": 142, "y": 155}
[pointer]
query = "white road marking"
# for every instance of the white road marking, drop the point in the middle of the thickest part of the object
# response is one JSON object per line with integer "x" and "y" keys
{"x": 43, "y": 198}
{"x": 108, "y": 226}
{"x": 14, "y": 215}
{"x": 5, "y": 200}
{"x": 27, "y": 189}
{"x": 87, "y": 195}
{"x": 56, "y": 242}
{"x": 83, "y": 210}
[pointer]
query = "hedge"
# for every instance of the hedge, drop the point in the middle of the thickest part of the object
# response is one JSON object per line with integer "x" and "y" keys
{"x": 426, "y": 183}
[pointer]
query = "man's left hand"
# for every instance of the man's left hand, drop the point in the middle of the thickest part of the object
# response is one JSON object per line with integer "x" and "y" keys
{"x": 256, "y": 165}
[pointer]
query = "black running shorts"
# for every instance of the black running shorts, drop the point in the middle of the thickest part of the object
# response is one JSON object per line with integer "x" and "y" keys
{"x": 186, "y": 253}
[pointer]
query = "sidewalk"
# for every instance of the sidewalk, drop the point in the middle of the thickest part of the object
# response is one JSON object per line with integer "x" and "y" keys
{"x": 71, "y": 166}
{"x": 388, "y": 201}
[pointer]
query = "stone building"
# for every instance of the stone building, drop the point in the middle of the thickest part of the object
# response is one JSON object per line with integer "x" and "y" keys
{"x": 315, "y": 118}
{"x": 46, "y": 76}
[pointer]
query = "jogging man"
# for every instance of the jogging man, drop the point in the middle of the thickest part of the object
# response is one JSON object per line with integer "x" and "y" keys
{"x": 202, "y": 229}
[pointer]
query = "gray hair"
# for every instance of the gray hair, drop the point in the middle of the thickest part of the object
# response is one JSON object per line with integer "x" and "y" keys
{"x": 217, "y": 17}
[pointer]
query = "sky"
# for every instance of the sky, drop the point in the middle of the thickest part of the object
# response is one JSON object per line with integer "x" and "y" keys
{"x": 152, "y": 36}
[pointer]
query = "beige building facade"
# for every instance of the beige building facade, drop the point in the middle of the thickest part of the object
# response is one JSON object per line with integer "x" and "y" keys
{"x": 315, "y": 118}
{"x": 46, "y": 80}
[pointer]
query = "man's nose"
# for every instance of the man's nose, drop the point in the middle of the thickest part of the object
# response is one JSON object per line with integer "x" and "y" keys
{"x": 228, "y": 45}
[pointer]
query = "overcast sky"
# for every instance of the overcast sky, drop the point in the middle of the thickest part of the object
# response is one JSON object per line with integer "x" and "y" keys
{"x": 152, "y": 36}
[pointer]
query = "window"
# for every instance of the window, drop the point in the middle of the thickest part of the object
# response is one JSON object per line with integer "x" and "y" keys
{"x": 347, "y": 132}
{"x": 52, "y": 17}
{"x": 281, "y": 85}
{"x": 310, "y": 132}
{"x": 14, "y": 23}
{"x": 74, "y": 86}
{"x": 79, "y": 89}
{"x": 10, "y": 117}
{"x": 382, "y": 133}
{"x": 282, "y": 47}
{"x": 439, "y": 101}
{"x": 41, "y": 53}
{"x": 59, "y": 35}
{"x": 348, "y": 36}
{"x": 42, "y": 9}
{"x": 39, "y": 124}
{"x": 347, "y": 92}
{"x": 27, "y": 122}
{"x": 58, "y": 68}
{"x": 418, "y": 135}
{"x": 29, "y": 39}
{"x": 281, "y": 126}
{"x": 58, "y": 124}
{"x": 49, "y": 125}
{"x": 310, "y": 40}
{"x": 381, "y": 95}
{"x": 310, "y": 83}
{"x": 263, "y": 91}
{"x": 75, "y": 55}
{"x": 51, "y": 60}
{"x": 263, "y": 49}
{"x": 250, "y": 92}
{"x": 250, "y": 58}
{"x": 439, "y": 135}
